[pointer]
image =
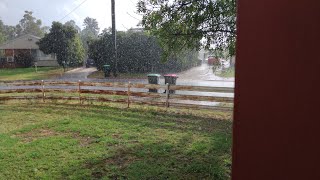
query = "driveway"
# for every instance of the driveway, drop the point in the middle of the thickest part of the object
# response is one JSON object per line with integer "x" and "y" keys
{"x": 77, "y": 74}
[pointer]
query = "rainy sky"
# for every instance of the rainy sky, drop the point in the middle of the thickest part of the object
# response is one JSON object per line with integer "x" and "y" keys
{"x": 11, "y": 11}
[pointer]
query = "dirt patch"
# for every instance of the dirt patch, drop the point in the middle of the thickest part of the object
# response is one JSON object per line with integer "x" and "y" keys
{"x": 36, "y": 134}
{"x": 122, "y": 159}
{"x": 116, "y": 136}
{"x": 83, "y": 140}
{"x": 42, "y": 133}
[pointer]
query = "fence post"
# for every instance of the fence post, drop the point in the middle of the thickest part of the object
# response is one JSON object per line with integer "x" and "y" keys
{"x": 43, "y": 93}
{"x": 129, "y": 86}
{"x": 79, "y": 91}
{"x": 167, "y": 94}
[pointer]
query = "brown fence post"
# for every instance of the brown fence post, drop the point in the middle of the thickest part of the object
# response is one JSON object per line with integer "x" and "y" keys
{"x": 129, "y": 86}
{"x": 43, "y": 93}
{"x": 79, "y": 91}
{"x": 167, "y": 94}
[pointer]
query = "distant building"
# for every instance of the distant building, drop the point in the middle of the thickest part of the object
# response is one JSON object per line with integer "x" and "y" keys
{"x": 23, "y": 44}
{"x": 136, "y": 29}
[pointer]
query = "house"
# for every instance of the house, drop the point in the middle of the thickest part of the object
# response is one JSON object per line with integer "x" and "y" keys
{"x": 25, "y": 44}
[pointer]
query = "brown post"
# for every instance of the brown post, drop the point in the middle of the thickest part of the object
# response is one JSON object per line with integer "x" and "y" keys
{"x": 129, "y": 86}
{"x": 167, "y": 94}
{"x": 79, "y": 91}
{"x": 43, "y": 93}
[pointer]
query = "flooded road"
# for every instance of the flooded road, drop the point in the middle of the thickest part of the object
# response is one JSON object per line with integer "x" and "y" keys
{"x": 201, "y": 73}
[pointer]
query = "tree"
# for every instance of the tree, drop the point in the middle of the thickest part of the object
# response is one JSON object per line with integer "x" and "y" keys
{"x": 6, "y": 32}
{"x": 90, "y": 31}
{"x": 45, "y": 29}
{"x": 24, "y": 59}
{"x": 189, "y": 24}
{"x": 29, "y": 25}
{"x": 91, "y": 27}
{"x": 76, "y": 51}
{"x": 2, "y": 32}
{"x": 10, "y": 32}
{"x": 64, "y": 42}
{"x": 137, "y": 53}
{"x": 73, "y": 24}
{"x": 107, "y": 31}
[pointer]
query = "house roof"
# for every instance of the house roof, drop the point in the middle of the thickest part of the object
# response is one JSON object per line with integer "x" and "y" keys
{"x": 27, "y": 41}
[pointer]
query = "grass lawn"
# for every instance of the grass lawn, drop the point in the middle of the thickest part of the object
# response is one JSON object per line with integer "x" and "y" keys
{"x": 29, "y": 73}
{"x": 100, "y": 75}
{"x": 227, "y": 73}
{"x": 43, "y": 141}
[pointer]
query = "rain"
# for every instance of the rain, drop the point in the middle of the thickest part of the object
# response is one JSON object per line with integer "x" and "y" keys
{"x": 87, "y": 52}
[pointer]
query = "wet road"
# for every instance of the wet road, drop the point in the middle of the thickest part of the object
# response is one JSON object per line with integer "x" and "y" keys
{"x": 197, "y": 76}
{"x": 201, "y": 73}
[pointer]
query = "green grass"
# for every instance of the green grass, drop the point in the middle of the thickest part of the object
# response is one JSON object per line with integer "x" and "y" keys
{"x": 43, "y": 141}
{"x": 29, "y": 73}
{"x": 100, "y": 75}
{"x": 227, "y": 73}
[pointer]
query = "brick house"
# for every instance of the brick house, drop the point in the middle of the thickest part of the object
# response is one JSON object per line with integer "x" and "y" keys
{"x": 25, "y": 44}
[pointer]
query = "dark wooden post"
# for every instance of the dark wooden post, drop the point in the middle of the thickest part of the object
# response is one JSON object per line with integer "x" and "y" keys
{"x": 129, "y": 86}
{"x": 43, "y": 92}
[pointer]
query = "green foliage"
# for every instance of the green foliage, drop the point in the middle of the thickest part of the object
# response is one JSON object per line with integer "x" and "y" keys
{"x": 2, "y": 38}
{"x": 29, "y": 25}
{"x": 76, "y": 51}
{"x": 73, "y": 24}
{"x": 24, "y": 59}
{"x": 90, "y": 31}
{"x": 9, "y": 32}
{"x": 91, "y": 27}
{"x": 190, "y": 24}
{"x": 64, "y": 42}
{"x": 2, "y": 32}
{"x": 137, "y": 53}
{"x": 227, "y": 73}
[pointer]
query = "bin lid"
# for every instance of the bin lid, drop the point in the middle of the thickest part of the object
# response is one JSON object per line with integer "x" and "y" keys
{"x": 156, "y": 75}
{"x": 106, "y": 65}
{"x": 171, "y": 75}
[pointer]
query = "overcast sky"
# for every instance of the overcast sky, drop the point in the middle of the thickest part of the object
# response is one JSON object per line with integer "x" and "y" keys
{"x": 11, "y": 11}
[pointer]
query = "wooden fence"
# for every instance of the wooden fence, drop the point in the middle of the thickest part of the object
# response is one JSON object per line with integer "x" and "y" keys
{"x": 130, "y": 93}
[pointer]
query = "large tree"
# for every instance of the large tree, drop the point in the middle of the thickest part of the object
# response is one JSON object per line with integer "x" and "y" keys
{"x": 91, "y": 27}
{"x": 2, "y": 32}
{"x": 73, "y": 24}
{"x": 64, "y": 42}
{"x": 137, "y": 53}
{"x": 6, "y": 32}
{"x": 29, "y": 25}
{"x": 183, "y": 24}
{"x": 90, "y": 31}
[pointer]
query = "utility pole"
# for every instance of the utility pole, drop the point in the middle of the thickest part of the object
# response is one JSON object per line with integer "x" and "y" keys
{"x": 115, "y": 56}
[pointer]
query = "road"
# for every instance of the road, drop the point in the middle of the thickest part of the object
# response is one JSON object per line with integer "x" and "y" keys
{"x": 197, "y": 76}
{"x": 202, "y": 73}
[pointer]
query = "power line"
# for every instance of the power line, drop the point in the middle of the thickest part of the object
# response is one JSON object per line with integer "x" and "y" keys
{"x": 133, "y": 17}
{"x": 124, "y": 27}
{"x": 73, "y": 10}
